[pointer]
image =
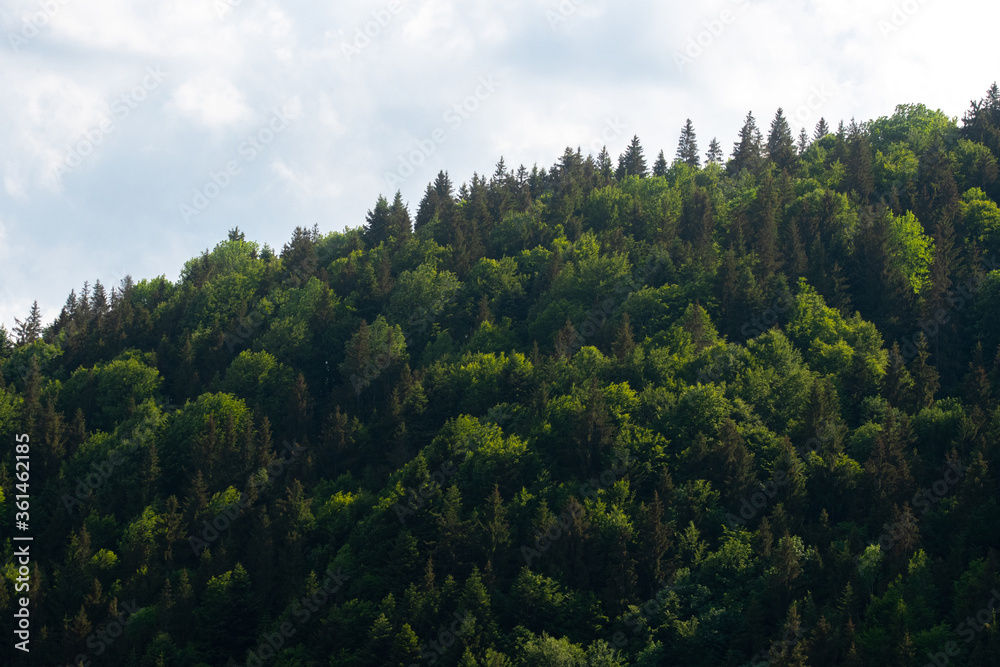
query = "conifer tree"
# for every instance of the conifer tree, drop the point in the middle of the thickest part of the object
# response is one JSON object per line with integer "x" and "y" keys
{"x": 660, "y": 166}
{"x": 632, "y": 162}
{"x": 780, "y": 143}
{"x": 30, "y": 329}
{"x": 925, "y": 376}
{"x": 376, "y": 228}
{"x": 605, "y": 168}
{"x": 714, "y": 154}
{"x": 400, "y": 226}
{"x": 822, "y": 129}
{"x": 687, "y": 146}
{"x": 803, "y": 144}
{"x": 746, "y": 151}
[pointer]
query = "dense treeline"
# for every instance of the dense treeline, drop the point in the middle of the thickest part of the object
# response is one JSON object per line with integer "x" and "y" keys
{"x": 719, "y": 412}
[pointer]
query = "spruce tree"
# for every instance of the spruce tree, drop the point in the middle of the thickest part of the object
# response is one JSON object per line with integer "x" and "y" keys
{"x": 714, "y": 153}
{"x": 632, "y": 162}
{"x": 376, "y": 229}
{"x": 822, "y": 129}
{"x": 660, "y": 166}
{"x": 747, "y": 151}
{"x": 687, "y": 146}
{"x": 30, "y": 329}
{"x": 605, "y": 169}
{"x": 780, "y": 144}
{"x": 400, "y": 226}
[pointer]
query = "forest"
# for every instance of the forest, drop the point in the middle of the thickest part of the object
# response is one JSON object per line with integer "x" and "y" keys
{"x": 705, "y": 411}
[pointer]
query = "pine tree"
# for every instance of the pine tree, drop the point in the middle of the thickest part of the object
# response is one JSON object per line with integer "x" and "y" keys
{"x": 632, "y": 162}
{"x": 888, "y": 467}
{"x": 687, "y": 146}
{"x": 981, "y": 122}
{"x": 300, "y": 256}
{"x": 714, "y": 154}
{"x": 925, "y": 376}
{"x": 495, "y": 524}
{"x": 766, "y": 242}
{"x": 438, "y": 200}
{"x": 790, "y": 651}
{"x": 803, "y": 144}
{"x": 746, "y": 151}
{"x": 657, "y": 535}
{"x": 30, "y": 329}
{"x": 780, "y": 143}
{"x": 660, "y": 166}
{"x": 6, "y": 343}
{"x": 899, "y": 389}
{"x": 739, "y": 476}
{"x": 977, "y": 382}
{"x": 32, "y": 393}
{"x": 624, "y": 341}
{"x": 822, "y": 129}
{"x": 605, "y": 168}
{"x": 376, "y": 229}
{"x": 400, "y": 226}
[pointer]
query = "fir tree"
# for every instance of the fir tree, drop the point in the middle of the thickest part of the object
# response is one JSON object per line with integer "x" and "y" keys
{"x": 632, "y": 162}
{"x": 746, "y": 151}
{"x": 780, "y": 143}
{"x": 660, "y": 166}
{"x": 822, "y": 129}
{"x": 30, "y": 329}
{"x": 687, "y": 146}
{"x": 714, "y": 154}
{"x": 376, "y": 228}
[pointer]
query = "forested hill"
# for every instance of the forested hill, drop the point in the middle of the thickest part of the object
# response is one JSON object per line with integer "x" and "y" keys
{"x": 706, "y": 412}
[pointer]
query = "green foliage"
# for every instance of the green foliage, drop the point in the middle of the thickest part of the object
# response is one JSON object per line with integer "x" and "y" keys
{"x": 710, "y": 416}
{"x": 914, "y": 250}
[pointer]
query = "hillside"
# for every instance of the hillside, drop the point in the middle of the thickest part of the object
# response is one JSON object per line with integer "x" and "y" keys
{"x": 730, "y": 411}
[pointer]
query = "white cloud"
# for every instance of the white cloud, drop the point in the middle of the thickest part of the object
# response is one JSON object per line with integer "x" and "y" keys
{"x": 211, "y": 100}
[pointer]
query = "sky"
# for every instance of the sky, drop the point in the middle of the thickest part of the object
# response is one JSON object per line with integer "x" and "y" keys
{"x": 134, "y": 134}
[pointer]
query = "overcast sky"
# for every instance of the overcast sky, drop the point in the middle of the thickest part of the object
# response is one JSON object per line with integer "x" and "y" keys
{"x": 134, "y": 134}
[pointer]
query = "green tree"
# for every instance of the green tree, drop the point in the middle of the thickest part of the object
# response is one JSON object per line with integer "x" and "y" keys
{"x": 687, "y": 147}
{"x": 632, "y": 162}
{"x": 780, "y": 143}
